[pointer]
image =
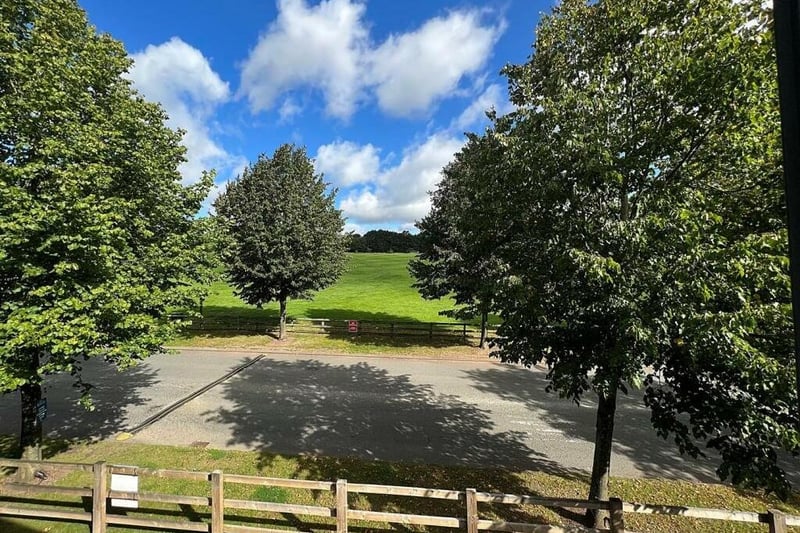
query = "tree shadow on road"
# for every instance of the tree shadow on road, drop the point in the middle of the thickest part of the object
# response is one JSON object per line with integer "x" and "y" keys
{"x": 337, "y": 416}
{"x": 634, "y": 436}
{"x": 113, "y": 394}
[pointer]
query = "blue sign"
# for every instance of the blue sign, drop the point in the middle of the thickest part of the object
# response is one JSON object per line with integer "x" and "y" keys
{"x": 41, "y": 409}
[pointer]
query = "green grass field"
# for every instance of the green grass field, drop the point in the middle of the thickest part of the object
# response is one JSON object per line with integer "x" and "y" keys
{"x": 374, "y": 287}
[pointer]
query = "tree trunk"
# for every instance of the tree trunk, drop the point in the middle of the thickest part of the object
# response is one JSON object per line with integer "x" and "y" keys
{"x": 601, "y": 466}
{"x": 282, "y": 324}
{"x": 484, "y": 321}
{"x": 30, "y": 435}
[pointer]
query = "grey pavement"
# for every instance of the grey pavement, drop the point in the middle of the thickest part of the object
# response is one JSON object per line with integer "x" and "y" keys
{"x": 443, "y": 412}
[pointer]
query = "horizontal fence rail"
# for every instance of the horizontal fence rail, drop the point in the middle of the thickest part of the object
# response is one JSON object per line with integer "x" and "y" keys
{"x": 325, "y": 326}
{"x": 102, "y": 514}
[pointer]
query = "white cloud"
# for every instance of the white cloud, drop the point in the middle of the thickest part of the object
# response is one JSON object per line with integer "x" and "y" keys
{"x": 415, "y": 69}
{"x": 381, "y": 192}
{"x": 174, "y": 69}
{"x": 400, "y": 194}
{"x": 180, "y": 78}
{"x": 288, "y": 110}
{"x": 319, "y": 46}
{"x": 327, "y": 47}
{"x": 345, "y": 163}
{"x": 354, "y": 228}
{"x": 494, "y": 96}
{"x": 234, "y": 170}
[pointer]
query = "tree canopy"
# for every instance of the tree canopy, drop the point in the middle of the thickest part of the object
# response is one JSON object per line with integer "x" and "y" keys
{"x": 632, "y": 207}
{"x": 383, "y": 241}
{"x": 652, "y": 243}
{"x": 97, "y": 233}
{"x": 286, "y": 234}
{"x": 458, "y": 238}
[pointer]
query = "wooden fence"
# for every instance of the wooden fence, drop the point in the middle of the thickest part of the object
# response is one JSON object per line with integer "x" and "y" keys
{"x": 101, "y": 516}
{"x": 326, "y": 326}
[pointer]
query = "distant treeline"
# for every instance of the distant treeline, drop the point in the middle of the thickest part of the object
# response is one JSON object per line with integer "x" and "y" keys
{"x": 381, "y": 240}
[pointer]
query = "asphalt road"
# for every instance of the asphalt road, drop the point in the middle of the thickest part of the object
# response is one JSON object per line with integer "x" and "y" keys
{"x": 445, "y": 412}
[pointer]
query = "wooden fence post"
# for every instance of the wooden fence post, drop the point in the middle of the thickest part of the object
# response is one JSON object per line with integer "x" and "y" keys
{"x": 777, "y": 521}
{"x": 341, "y": 506}
{"x": 217, "y": 501}
{"x": 616, "y": 515}
{"x": 472, "y": 511}
{"x": 99, "y": 495}
{"x": 465, "y": 332}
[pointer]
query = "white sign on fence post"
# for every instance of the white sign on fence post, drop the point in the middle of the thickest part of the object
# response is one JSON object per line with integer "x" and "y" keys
{"x": 124, "y": 483}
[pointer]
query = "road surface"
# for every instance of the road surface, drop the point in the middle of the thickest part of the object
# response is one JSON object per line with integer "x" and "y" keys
{"x": 476, "y": 413}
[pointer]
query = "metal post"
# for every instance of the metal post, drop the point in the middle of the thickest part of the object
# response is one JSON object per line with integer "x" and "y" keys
{"x": 787, "y": 45}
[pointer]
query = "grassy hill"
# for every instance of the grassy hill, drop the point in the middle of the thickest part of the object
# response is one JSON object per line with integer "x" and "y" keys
{"x": 374, "y": 287}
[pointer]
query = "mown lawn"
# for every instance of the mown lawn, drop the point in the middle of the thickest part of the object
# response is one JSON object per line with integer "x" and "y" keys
{"x": 551, "y": 484}
{"x": 374, "y": 287}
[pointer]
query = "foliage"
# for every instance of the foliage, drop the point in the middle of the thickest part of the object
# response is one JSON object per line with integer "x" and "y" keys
{"x": 458, "y": 237}
{"x": 213, "y": 242}
{"x": 383, "y": 241}
{"x": 286, "y": 235}
{"x": 646, "y": 236}
{"x": 96, "y": 230}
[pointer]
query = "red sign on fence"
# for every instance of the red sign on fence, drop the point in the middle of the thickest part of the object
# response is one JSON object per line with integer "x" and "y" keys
{"x": 352, "y": 326}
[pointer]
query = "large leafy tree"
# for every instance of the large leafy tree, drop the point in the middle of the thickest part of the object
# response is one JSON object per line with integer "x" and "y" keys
{"x": 458, "y": 237}
{"x": 96, "y": 230}
{"x": 286, "y": 234}
{"x": 649, "y": 239}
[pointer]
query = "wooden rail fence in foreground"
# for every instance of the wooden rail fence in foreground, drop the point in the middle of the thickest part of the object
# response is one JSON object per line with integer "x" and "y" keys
{"x": 326, "y": 326}
{"x": 16, "y": 500}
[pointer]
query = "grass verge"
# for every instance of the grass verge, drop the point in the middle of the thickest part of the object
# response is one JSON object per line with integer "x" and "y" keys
{"x": 655, "y": 491}
{"x": 303, "y": 343}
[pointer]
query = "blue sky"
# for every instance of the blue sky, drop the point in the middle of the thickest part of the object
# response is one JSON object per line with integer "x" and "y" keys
{"x": 379, "y": 92}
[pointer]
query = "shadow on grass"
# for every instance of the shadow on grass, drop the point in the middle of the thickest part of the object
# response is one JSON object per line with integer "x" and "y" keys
{"x": 228, "y": 322}
{"x": 252, "y": 313}
{"x": 361, "y": 423}
{"x": 17, "y": 525}
{"x": 403, "y": 341}
{"x": 9, "y": 446}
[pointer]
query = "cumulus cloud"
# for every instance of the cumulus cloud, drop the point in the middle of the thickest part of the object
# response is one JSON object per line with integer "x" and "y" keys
{"x": 493, "y": 97}
{"x": 379, "y": 192}
{"x": 412, "y": 70}
{"x": 326, "y": 47}
{"x": 181, "y": 79}
{"x": 319, "y": 46}
{"x": 288, "y": 110}
{"x": 345, "y": 163}
{"x": 234, "y": 169}
{"x": 399, "y": 194}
